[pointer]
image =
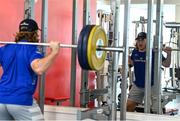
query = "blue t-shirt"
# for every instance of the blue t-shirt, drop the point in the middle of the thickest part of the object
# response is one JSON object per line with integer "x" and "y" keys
{"x": 18, "y": 81}
{"x": 139, "y": 62}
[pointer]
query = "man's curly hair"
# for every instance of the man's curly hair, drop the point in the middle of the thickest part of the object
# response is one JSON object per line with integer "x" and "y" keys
{"x": 29, "y": 36}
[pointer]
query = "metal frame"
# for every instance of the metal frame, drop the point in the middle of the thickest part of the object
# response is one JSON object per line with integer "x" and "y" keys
{"x": 141, "y": 22}
{"x": 84, "y": 73}
{"x": 148, "y": 57}
{"x": 73, "y": 54}
{"x": 95, "y": 113}
{"x": 175, "y": 62}
{"x": 156, "y": 102}
{"x": 125, "y": 59}
{"x": 44, "y": 34}
{"x": 29, "y": 9}
{"x": 113, "y": 114}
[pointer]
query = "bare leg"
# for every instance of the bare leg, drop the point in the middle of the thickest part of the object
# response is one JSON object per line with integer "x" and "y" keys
{"x": 131, "y": 105}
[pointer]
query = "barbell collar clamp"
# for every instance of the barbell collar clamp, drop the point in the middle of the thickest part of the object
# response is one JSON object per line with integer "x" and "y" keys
{"x": 106, "y": 48}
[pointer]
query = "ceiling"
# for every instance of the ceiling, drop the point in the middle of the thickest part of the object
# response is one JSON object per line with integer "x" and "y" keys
{"x": 107, "y": 2}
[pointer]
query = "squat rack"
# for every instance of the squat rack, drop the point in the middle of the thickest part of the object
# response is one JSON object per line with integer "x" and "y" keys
{"x": 44, "y": 21}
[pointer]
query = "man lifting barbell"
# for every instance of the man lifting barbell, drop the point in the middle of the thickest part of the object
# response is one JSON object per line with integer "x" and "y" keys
{"x": 21, "y": 60}
{"x": 21, "y": 64}
{"x": 138, "y": 59}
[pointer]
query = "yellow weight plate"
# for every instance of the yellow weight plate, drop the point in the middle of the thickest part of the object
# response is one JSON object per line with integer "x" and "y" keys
{"x": 96, "y": 58}
{"x": 89, "y": 43}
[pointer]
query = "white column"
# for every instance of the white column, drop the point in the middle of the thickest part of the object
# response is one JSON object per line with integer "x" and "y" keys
{"x": 177, "y": 16}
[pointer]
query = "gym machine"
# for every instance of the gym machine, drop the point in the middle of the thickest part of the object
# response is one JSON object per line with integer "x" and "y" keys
{"x": 173, "y": 85}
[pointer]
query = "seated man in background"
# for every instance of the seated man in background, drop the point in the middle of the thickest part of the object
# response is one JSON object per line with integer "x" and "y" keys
{"x": 138, "y": 60}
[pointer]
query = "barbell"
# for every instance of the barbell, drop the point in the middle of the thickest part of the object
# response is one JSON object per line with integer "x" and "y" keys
{"x": 91, "y": 48}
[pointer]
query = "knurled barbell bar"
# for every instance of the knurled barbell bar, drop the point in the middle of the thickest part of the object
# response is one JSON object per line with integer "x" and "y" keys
{"x": 39, "y": 44}
{"x": 91, "y": 36}
{"x": 91, "y": 47}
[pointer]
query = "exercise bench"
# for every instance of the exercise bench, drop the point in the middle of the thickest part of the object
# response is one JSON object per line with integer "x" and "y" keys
{"x": 57, "y": 100}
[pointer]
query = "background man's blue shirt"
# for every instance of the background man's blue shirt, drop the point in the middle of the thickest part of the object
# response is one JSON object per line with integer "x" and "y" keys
{"x": 139, "y": 62}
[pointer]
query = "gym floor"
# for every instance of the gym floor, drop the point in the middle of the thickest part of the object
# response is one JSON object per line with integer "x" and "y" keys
{"x": 175, "y": 104}
{"x": 70, "y": 113}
